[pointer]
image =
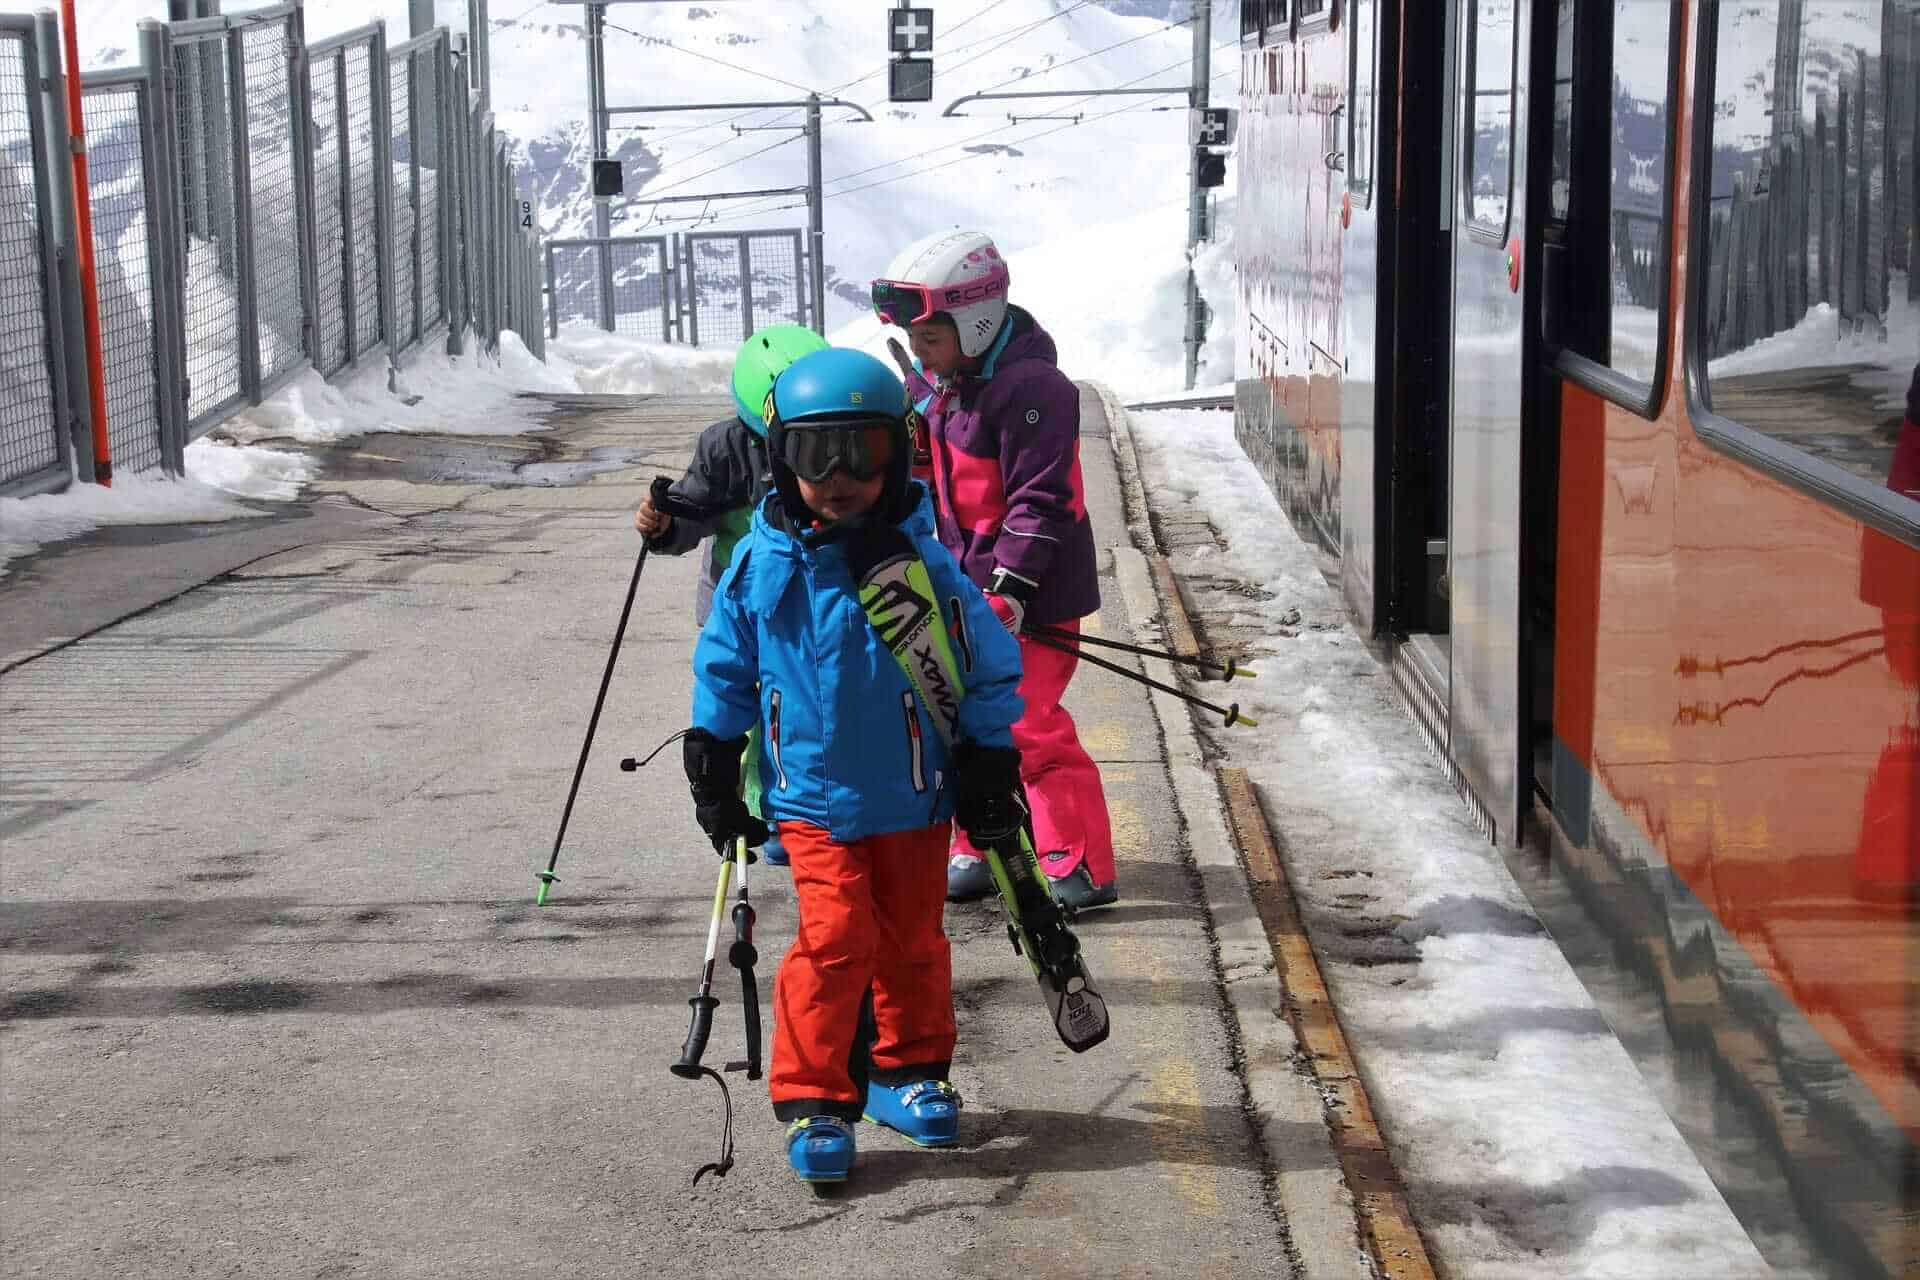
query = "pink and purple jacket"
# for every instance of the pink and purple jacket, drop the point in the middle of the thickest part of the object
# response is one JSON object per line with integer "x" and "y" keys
{"x": 1006, "y": 471}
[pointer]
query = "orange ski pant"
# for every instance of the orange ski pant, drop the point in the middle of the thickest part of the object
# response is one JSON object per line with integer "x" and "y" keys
{"x": 870, "y": 920}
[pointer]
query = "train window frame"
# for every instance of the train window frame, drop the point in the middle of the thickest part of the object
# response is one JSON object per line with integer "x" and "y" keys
{"x": 1323, "y": 19}
{"x": 1252, "y": 13}
{"x": 1485, "y": 232}
{"x": 1645, "y": 399}
{"x": 1854, "y": 496}
{"x": 1280, "y": 30}
{"x": 1361, "y": 188}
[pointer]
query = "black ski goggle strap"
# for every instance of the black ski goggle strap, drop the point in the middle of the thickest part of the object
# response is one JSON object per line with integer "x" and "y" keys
{"x": 862, "y": 449}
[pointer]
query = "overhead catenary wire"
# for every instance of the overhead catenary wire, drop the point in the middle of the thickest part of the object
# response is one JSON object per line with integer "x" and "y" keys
{"x": 751, "y": 211}
{"x": 695, "y": 53}
{"x": 734, "y": 119}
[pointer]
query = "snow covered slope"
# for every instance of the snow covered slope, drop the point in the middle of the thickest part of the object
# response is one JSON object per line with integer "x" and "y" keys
{"x": 1033, "y": 183}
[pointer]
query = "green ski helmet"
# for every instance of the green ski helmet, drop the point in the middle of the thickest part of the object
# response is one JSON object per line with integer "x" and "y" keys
{"x": 761, "y": 359}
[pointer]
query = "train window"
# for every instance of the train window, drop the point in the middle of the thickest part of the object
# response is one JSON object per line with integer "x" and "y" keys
{"x": 1489, "y": 141}
{"x": 1362, "y": 101}
{"x": 1560, "y": 191}
{"x": 1642, "y": 133}
{"x": 1806, "y": 275}
{"x": 1250, "y": 18}
{"x": 1273, "y": 20}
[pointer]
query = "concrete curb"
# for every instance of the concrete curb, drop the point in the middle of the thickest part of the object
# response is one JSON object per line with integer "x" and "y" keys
{"x": 1290, "y": 1113}
{"x": 1290, "y": 1033}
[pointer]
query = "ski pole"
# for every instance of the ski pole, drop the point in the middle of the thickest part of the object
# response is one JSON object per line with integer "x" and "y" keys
{"x": 705, "y": 1002}
{"x": 547, "y": 877}
{"x": 742, "y": 956}
{"x": 1227, "y": 671}
{"x": 1231, "y": 713}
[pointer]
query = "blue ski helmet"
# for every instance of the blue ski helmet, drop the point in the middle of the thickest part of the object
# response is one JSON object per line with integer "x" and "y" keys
{"x": 831, "y": 390}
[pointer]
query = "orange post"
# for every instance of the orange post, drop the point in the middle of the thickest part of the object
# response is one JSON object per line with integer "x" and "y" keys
{"x": 89, "y": 281}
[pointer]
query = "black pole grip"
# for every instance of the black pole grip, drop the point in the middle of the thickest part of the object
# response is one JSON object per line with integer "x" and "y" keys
{"x": 750, "y": 997}
{"x": 661, "y": 493}
{"x": 742, "y": 955}
{"x": 688, "y": 1068}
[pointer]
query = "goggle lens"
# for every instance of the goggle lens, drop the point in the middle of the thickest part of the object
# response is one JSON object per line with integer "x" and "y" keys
{"x": 863, "y": 450}
{"x": 901, "y": 304}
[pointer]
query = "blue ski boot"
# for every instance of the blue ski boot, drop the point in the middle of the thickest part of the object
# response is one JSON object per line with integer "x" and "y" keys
{"x": 820, "y": 1148}
{"x": 926, "y": 1112}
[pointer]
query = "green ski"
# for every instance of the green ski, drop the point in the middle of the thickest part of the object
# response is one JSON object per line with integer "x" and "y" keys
{"x": 898, "y": 597}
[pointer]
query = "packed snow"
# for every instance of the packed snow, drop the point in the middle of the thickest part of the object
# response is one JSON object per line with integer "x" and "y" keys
{"x": 601, "y": 363}
{"x": 218, "y": 477}
{"x": 1529, "y": 1141}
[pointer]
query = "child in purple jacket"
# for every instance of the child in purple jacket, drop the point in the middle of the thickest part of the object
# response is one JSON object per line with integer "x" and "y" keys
{"x": 1005, "y": 435}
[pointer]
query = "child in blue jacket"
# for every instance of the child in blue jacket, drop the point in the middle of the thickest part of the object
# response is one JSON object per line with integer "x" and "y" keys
{"x": 856, "y": 774}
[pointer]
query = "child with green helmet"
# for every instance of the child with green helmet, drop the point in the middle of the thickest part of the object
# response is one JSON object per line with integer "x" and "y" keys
{"x": 729, "y": 476}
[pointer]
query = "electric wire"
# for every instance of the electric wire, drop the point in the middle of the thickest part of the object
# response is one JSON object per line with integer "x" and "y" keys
{"x": 695, "y": 53}
{"x": 731, "y": 120}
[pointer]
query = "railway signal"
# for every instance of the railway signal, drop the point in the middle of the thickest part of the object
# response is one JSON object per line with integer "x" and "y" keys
{"x": 1212, "y": 126}
{"x": 909, "y": 31}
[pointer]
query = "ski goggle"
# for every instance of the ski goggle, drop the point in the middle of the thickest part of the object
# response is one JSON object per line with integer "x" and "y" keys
{"x": 903, "y": 303}
{"x": 863, "y": 449}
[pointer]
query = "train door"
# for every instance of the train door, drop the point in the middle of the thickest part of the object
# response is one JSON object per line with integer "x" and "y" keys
{"x": 1488, "y": 385}
{"x": 1365, "y": 302}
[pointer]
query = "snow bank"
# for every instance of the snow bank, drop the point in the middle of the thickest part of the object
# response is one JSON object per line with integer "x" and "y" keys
{"x": 1821, "y": 341}
{"x": 608, "y": 364}
{"x": 471, "y": 394}
{"x": 218, "y": 476}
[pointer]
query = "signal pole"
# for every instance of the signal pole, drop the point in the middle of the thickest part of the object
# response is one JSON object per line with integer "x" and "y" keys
{"x": 1197, "y": 230}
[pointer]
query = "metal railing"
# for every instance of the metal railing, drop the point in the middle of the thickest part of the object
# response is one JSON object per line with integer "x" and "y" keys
{"x": 261, "y": 206}
{"x": 696, "y": 287}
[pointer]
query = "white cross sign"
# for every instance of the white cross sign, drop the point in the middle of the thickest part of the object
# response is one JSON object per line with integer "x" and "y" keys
{"x": 1212, "y": 127}
{"x": 910, "y": 30}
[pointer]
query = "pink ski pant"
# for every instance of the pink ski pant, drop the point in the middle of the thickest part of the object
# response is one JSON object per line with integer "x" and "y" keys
{"x": 1063, "y": 783}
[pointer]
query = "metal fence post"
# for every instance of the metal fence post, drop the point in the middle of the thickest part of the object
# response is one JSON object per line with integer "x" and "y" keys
{"x": 163, "y": 246}
{"x": 417, "y": 304}
{"x": 66, "y": 330}
{"x": 245, "y": 279}
{"x": 746, "y": 287}
{"x": 669, "y": 289}
{"x": 690, "y": 313}
{"x": 307, "y": 231}
{"x": 451, "y": 300}
{"x": 343, "y": 144}
{"x": 461, "y": 105}
{"x": 380, "y": 93}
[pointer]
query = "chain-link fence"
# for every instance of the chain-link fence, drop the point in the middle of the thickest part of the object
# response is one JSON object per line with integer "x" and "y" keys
{"x": 701, "y": 288}
{"x": 260, "y": 206}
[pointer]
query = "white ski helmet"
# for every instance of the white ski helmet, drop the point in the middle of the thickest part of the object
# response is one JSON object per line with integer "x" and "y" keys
{"x": 958, "y": 272}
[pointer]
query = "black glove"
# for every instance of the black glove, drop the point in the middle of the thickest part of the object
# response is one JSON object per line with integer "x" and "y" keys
{"x": 713, "y": 775}
{"x": 986, "y": 791}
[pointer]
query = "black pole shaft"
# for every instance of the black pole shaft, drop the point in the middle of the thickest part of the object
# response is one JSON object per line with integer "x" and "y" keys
{"x": 1041, "y": 638}
{"x": 1075, "y": 637}
{"x": 547, "y": 877}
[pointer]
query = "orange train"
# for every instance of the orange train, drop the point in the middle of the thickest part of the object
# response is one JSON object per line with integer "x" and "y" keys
{"x": 1584, "y": 334}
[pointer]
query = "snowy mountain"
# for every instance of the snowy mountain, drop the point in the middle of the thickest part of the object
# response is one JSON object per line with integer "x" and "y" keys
{"x": 1030, "y": 182}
